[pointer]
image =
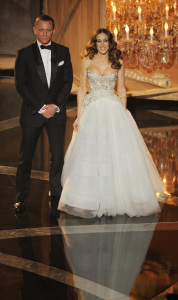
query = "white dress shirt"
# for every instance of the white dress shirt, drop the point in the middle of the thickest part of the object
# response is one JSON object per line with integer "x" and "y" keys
{"x": 46, "y": 58}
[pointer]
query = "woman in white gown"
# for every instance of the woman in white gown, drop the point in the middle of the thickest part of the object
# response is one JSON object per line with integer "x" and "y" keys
{"x": 108, "y": 169}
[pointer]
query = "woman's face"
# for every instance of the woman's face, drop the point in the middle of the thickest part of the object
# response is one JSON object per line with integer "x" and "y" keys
{"x": 102, "y": 43}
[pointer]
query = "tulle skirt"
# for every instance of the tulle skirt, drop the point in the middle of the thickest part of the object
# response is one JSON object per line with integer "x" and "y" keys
{"x": 108, "y": 169}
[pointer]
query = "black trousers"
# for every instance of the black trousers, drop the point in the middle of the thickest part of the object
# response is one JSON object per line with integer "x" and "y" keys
{"x": 30, "y": 135}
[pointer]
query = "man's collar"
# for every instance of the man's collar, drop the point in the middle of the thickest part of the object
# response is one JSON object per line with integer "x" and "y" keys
{"x": 39, "y": 44}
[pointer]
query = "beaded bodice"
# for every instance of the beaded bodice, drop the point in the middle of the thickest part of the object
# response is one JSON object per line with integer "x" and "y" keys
{"x": 101, "y": 86}
{"x": 103, "y": 82}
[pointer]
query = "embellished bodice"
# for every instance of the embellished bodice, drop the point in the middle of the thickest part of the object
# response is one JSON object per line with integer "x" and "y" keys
{"x": 104, "y": 82}
{"x": 101, "y": 85}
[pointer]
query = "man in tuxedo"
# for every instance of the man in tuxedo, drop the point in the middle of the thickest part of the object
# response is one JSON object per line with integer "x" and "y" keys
{"x": 43, "y": 77}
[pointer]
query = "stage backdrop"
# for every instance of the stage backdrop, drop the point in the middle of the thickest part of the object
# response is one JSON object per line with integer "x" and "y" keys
{"x": 17, "y": 19}
{"x": 76, "y": 20}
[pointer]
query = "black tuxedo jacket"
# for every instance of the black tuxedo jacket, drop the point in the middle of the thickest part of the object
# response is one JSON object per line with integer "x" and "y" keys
{"x": 31, "y": 83}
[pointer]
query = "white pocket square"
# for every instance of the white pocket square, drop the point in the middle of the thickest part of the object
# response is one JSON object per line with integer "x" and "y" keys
{"x": 60, "y": 63}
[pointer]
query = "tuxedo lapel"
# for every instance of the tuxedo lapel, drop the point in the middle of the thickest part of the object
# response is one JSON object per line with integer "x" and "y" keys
{"x": 54, "y": 62}
{"x": 39, "y": 63}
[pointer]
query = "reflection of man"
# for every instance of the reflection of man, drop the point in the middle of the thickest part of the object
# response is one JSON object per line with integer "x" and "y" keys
{"x": 43, "y": 74}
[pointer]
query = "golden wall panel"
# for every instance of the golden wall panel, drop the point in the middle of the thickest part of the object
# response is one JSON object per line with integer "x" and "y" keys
{"x": 75, "y": 20}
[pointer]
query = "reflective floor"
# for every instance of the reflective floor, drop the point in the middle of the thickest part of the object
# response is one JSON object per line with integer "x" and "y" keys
{"x": 51, "y": 256}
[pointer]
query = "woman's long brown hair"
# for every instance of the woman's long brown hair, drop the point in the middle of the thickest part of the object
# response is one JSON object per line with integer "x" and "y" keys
{"x": 114, "y": 54}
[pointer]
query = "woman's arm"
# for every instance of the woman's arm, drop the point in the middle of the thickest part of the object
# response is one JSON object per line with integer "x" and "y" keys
{"x": 81, "y": 91}
{"x": 121, "y": 85}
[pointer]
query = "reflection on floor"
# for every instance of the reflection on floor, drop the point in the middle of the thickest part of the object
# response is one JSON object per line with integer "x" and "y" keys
{"x": 163, "y": 146}
{"x": 47, "y": 255}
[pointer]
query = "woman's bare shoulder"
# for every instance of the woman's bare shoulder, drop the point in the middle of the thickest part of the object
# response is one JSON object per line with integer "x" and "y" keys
{"x": 86, "y": 62}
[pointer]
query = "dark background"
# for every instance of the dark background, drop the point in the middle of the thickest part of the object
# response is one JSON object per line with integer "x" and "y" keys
{"x": 16, "y": 25}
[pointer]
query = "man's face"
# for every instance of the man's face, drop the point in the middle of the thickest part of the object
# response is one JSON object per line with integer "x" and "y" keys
{"x": 44, "y": 31}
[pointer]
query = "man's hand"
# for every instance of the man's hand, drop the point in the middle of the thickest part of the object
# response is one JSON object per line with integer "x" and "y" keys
{"x": 49, "y": 111}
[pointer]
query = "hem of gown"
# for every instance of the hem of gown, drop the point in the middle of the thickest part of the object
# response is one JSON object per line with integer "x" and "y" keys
{"x": 84, "y": 213}
{"x": 78, "y": 212}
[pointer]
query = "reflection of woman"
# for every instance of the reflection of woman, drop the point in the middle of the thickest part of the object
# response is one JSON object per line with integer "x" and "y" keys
{"x": 108, "y": 169}
{"x": 109, "y": 252}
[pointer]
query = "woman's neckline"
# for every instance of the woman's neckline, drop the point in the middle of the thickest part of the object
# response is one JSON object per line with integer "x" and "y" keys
{"x": 101, "y": 74}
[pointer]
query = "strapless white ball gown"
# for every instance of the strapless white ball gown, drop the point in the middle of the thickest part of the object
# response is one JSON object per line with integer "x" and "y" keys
{"x": 108, "y": 169}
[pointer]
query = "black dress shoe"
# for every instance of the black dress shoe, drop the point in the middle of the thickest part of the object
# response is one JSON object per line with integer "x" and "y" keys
{"x": 20, "y": 206}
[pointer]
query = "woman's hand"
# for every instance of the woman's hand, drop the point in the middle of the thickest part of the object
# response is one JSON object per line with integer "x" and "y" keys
{"x": 76, "y": 124}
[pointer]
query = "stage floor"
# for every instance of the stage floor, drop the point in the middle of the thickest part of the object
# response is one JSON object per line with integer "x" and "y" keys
{"x": 47, "y": 255}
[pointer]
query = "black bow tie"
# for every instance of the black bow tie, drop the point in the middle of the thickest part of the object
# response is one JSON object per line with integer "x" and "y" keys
{"x": 45, "y": 47}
